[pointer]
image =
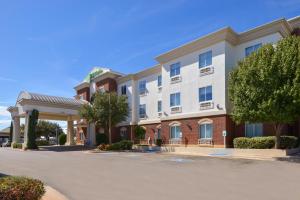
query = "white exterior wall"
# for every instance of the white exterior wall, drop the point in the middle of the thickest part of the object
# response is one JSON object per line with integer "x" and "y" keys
{"x": 130, "y": 95}
{"x": 150, "y": 99}
{"x": 191, "y": 81}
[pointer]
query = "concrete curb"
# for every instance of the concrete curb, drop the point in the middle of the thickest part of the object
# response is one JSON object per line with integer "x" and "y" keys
{"x": 52, "y": 194}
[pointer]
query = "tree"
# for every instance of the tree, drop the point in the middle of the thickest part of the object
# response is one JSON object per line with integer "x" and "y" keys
{"x": 48, "y": 129}
{"x": 265, "y": 86}
{"x": 33, "y": 118}
{"x": 105, "y": 110}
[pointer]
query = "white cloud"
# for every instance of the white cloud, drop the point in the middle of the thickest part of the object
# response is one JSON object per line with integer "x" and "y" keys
{"x": 4, "y": 123}
{"x": 4, "y": 112}
{"x": 7, "y": 79}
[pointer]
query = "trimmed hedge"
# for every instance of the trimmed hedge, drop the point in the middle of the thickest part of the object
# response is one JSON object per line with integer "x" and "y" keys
{"x": 286, "y": 142}
{"x": 123, "y": 145}
{"x": 42, "y": 143}
{"x": 101, "y": 138}
{"x": 21, "y": 188}
{"x": 17, "y": 145}
{"x": 62, "y": 139}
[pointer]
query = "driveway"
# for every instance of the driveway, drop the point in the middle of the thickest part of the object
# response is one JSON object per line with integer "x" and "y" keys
{"x": 135, "y": 176}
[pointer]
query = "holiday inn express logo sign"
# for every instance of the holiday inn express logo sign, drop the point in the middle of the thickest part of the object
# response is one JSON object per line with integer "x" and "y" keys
{"x": 93, "y": 74}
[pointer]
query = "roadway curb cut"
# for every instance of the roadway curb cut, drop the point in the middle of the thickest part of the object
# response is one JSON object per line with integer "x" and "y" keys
{"x": 52, "y": 194}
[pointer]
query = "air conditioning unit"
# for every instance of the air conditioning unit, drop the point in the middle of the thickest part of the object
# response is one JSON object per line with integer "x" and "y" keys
{"x": 143, "y": 116}
{"x": 159, "y": 114}
{"x": 175, "y": 79}
{"x": 159, "y": 88}
{"x": 143, "y": 92}
{"x": 206, "y": 70}
{"x": 206, "y": 105}
{"x": 176, "y": 109}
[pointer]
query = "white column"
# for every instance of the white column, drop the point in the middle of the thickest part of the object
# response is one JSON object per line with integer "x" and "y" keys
{"x": 91, "y": 134}
{"x": 70, "y": 133}
{"x": 16, "y": 130}
{"x": 26, "y": 129}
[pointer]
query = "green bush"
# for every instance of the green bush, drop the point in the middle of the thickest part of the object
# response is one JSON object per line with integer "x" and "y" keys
{"x": 42, "y": 143}
{"x": 101, "y": 138}
{"x": 17, "y": 145}
{"x": 254, "y": 143}
{"x": 288, "y": 142}
{"x": 159, "y": 142}
{"x": 21, "y": 188}
{"x": 33, "y": 119}
{"x": 123, "y": 145}
{"x": 62, "y": 139}
{"x": 139, "y": 132}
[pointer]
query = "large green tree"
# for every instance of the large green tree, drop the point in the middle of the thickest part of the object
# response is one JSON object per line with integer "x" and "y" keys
{"x": 265, "y": 86}
{"x": 48, "y": 129}
{"x": 105, "y": 110}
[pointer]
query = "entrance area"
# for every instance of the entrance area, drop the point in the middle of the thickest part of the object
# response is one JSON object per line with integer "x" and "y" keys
{"x": 49, "y": 107}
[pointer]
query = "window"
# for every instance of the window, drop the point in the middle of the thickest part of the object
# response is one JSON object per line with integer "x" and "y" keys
{"x": 81, "y": 134}
{"x": 158, "y": 136}
{"x": 159, "y": 106}
{"x": 253, "y": 130}
{"x": 123, "y": 132}
{"x": 205, "y": 93}
{"x": 251, "y": 49}
{"x": 175, "y": 132}
{"x": 123, "y": 90}
{"x": 142, "y": 87}
{"x": 205, "y": 131}
{"x": 159, "y": 82}
{"x": 205, "y": 59}
{"x": 81, "y": 97}
{"x": 142, "y": 111}
{"x": 101, "y": 89}
{"x": 175, "y": 99}
{"x": 175, "y": 69}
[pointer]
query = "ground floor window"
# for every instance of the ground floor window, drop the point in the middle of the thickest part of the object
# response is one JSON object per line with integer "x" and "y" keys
{"x": 205, "y": 131}
{"x": 158, "y": 133}
{"x": 175, "y": 132}
{"x": 123, "y": 132}
{"x": 81, "y": 135}
{"x": 253, "y": 130}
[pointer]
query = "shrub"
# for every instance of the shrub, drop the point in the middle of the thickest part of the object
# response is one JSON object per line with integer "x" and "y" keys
{"x": 42, "y": 143}
{"x": 159, "y": 142}
{"x": 21, "y": 188}
{"x": 33, "y": 119}
{"x": 62, "y": 139}
{"x": 101, "y": 138}
{"x": 139, "y": 132}
{"x": 254, "y": 143}
{"x": 17, "y": 145}
{"x": 123, "y": 145}
{"x": 288, "y": 142}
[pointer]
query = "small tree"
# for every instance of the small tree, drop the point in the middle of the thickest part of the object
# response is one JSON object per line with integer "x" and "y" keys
{"x": 105, "y": 110}
{"x": 139, "y": 132}
{"x": 62, "y": 139}
{"x": 11, "y": 129}
{"x": 265, "y": 86}
{"x": 47, "y": 129}
{"x": 33, "y": 118}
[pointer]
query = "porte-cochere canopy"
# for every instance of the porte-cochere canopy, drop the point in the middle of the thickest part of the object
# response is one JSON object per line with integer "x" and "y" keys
{"x": 49, "y": 107}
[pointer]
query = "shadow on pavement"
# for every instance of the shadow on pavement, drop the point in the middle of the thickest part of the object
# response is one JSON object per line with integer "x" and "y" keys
{"x": 65, "y": 148}
{"x": 2, "y": 175}
{"x": 292, "y": 159}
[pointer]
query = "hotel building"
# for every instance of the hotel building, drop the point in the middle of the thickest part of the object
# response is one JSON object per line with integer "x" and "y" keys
{"x": 184, "y": 98}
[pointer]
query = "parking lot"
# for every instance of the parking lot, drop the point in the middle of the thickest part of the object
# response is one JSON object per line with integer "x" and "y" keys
{"x": 131, "y": 176}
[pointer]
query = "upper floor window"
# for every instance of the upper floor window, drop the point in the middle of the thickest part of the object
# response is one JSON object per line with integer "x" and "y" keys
{"x": 205, "y": 131}
{"x": 251, "y": 49}
{"x": 142, "y": 111}
{"x": 81, "y": 97}
{"x": 253, "y": 130}
{"x": 205, "y": 59}
{"x": 175, "y": 69}
{"x": 175, "y": 99}
{"x": 142, "y": 87}
{"x": 123, "y": 90}
{"x": 102, "y": 89}
{"x": 159, "y": 106}
{"x": 205, "y": 93}
{"x": 159, "y": 81}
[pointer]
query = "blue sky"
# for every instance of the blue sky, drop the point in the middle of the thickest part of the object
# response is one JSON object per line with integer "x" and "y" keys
{"x": 49, "y": 46}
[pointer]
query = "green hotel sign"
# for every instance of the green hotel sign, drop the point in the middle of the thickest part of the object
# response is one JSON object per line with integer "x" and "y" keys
{"x": 93, "y": 74}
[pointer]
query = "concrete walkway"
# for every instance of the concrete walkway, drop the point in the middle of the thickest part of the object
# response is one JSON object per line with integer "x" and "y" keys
{"x": 135, "y": 176}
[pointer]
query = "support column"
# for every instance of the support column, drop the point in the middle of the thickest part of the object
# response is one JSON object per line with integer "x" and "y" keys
{"x": 91, "y": 134}
{"x": 26, "y": 130}
{"x": 70, "y": 133}
{"x": 16, "y": 130}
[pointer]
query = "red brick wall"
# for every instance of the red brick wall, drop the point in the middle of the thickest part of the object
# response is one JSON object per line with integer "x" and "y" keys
{"x": 109, "y": 84}
{"x": 85, "y": 92}
{"x": 190, "y": 129}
